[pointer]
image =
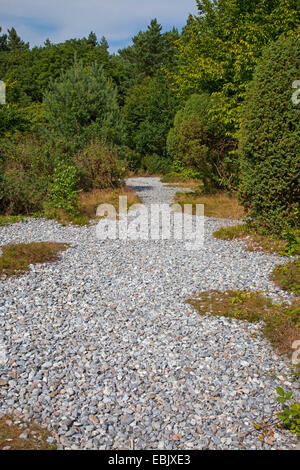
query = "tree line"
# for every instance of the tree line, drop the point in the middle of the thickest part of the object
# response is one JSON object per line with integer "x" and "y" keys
{"x": 211, "y": 102}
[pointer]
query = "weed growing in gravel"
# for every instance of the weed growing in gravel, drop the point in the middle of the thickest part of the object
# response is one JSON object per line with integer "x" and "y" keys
{"x": 287, "y": 277}
{"x": 15, "y": 434}
{"x": 284, "y": 245}
{"x": 281, "y": 321}
{"x": 15, "y": 259}
{"x": 290, "y": 416}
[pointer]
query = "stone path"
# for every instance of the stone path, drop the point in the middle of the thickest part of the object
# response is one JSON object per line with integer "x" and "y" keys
{"x": 102, "y": 347}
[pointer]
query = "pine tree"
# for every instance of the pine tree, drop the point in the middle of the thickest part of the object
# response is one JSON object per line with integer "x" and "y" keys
{"x": 82, "y": 105}
{"x": 14, "y": 41}
{"x": 3, "y": 41}
{"x": 92, "y": 39}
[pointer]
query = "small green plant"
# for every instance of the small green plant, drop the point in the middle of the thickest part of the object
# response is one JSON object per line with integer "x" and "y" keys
{"x": 293, "y": 242}
{"x": 64, "y": 191}
{"x": 290, "y": 416}
{"x": 287, "y": 277}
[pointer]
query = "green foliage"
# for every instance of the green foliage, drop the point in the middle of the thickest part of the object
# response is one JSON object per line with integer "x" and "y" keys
{"x": 82, "y": 105}
{"x": 293, "y": 243}
{"x": 12, "y": 41}
{"x": 270, "y": 141}
{"x": 179, "y": 170}
{"x": 154, "y": 164}
{"x": 20, "y": 194}
{"x": 65, "y": 189}
{"x": 220, "y": 47}
{"x": 148, "y": 114}
{"x": 32, "y": 70}
{"x": 12, "y": 219}
{"x": 198, "y": 141}
{"x": 290, "y": 416}
{"x": 288, "y": 276}
{"x": 151, "y": 50}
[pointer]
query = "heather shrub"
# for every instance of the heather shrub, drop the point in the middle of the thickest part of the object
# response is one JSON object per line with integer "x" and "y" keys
{"x": 99, "y": 166}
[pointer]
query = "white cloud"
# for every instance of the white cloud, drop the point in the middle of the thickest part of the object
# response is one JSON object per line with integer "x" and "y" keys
{"x": 117, "y": 20}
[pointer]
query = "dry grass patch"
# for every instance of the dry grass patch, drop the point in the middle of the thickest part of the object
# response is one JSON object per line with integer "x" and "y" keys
{"x": 287, "y": 277}
{"x": 219, "y": 205}
{"x": 15, "y": 434}
{"x": 91, "y": 200}
{"x": 281, "y": 321}
{"x": 256, "y": 241}
{"x": 15, "y": 259}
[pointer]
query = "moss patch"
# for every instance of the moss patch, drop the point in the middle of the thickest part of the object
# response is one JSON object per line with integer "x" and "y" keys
{"x": 257, "y": 241}
{"x": 15, "y": 259}
{"x": 15, "y": 434}
{"x": 281, "y": 321}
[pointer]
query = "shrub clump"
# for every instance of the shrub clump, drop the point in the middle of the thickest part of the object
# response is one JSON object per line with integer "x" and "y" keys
{"x": 99, "y": 166}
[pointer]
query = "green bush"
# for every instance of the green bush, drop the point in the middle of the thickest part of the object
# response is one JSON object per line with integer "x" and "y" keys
{"x": 198, "y": 141}
{"x": 26, "y": 168}
{"x": 21, "y": 193}
{"x": 154, "y": 164}
{"x": 270, "y": 140}
{"x": 148, "y": 114}
{"x": 65, "y": 189}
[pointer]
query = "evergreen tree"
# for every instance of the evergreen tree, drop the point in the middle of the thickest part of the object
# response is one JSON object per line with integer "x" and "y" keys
{"x": 14, "y": 41}
{"x": 3, "y": 41}
{"x": 82, "y": 105}
{"x": 92, "y": 39}
{"x": 151, "y": 50}
{"x": 270, "y": 140}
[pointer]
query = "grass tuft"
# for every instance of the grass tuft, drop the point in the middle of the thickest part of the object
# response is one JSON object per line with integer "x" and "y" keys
{"x": 10, "y": 219}
{"x": 91, "y": 200}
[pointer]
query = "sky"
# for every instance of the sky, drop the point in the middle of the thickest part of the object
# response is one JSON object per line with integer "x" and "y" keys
{"x": 117, "y": 20}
